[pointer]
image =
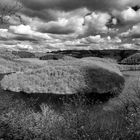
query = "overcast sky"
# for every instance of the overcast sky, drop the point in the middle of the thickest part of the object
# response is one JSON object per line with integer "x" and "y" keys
{"x": 70, "y": 24}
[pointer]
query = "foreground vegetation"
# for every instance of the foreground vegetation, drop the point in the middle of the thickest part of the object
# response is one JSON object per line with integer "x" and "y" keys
{"x": 77, "y": 118}
{"x": 68, "y": 117}
{"x": 68, "y": 77}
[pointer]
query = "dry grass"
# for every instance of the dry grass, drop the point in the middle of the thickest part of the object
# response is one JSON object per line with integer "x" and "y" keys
{"x": 117, "y": 119}
{"x": 68, "y": 77}
{"x": 75, "y": 120}
{"x": 129, "y": 67}
{"x": 10, "y": 66}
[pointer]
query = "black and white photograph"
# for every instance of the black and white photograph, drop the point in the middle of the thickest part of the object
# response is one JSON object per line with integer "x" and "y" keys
{"x": 69, "y": 69}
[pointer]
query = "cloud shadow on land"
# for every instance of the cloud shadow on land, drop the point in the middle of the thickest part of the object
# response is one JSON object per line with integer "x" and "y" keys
{"x": 59, "y": 101}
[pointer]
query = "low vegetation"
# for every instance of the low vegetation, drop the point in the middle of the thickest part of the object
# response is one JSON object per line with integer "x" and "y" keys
{"x": 75, "y": 120}
{"x": 68, "y": 117}
{"x": 8, "y": 55}
{"x": 79, "y": 76}
{"x": 51, "y": 57}
{"x": 132, "y": 60}
{"x": 118, "y": 55}
{"x": 11, "y": 66}
{"x": 23, "y": 54}
{"x": 129, "y": 67}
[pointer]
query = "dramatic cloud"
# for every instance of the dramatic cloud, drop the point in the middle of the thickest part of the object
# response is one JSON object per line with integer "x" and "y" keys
{"x": 62, "y": 26}
{"x": 45, "y": 25}
{"x": 71, "y": 23}
{"x": 74, "y": 4}
{"x": 26, "y": 30}
{"x": 132, "y": 33}
{"x": 128, "y": 15}
{"x": 96, "y": 22}
{"x": 5, "y": 35}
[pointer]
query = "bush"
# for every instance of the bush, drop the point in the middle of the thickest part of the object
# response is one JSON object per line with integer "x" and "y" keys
{"x": 75, "y": 121}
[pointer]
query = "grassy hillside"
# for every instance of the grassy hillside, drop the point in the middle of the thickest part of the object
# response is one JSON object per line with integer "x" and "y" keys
{"x": 18, "y": 65}
{"x": 69, "y": 117}
{"x": 8, "y": 55}
{"x": 25, "y": 117}
{"x": 68, "y": 77}
{"x": 51, "y": 57}
{"x": 23, "y": 54}
{"x": 118, "y": 55}
{"x": 132, "y": 60}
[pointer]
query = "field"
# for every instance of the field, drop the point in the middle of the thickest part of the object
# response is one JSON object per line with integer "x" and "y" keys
{"x": 69, "y": 117}
{"x": 24, "y": 116}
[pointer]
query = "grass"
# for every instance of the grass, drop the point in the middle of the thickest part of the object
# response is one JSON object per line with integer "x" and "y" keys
{"x": 70, "y": 77}
{"x": 129, "y": 67}
{"x": 24, "y": 116}
{"x": 17, "y": 65}
{"x": 132, "y": 60}
{"x": 76, "y": 120}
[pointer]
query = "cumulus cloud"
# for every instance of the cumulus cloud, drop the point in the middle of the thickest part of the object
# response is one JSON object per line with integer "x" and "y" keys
{"x": 71, "y": 23}
{"x": 62, "y": 25}
{"x": 66, "y": 22}
{"x": 134, "y": 32}
{"x": 128, "y": 15}
{"x": 5, "y": 35}
{"x": 131, "y": 15}
{"x": 27, "y": 30}
{"x": 95, "y": 39}
{"x": 82, "y": 26}
{"x": 92, "y": 42}
{"x": 99, "y": 39}
{"x": 96, "y": 22}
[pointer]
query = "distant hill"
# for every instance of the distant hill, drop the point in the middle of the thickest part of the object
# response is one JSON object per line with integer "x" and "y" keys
{"x": 23, "y": 54}
{"x": 118, "y": 55}
{"x": 132, "y": 60}
{"x": 52, "y": 56}
{"x": 8, "y": 55}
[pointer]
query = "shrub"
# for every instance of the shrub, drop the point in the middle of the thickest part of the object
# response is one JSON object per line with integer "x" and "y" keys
{"x": 75, "y": 121}
{"x": 26, "y": 124}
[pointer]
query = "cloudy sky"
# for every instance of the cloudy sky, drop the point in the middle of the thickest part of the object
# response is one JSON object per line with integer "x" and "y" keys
{"x": 72, "y": 24}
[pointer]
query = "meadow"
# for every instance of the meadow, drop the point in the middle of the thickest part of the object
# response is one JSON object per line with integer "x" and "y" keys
{"x": 70, "y": 117}
{"x": 33, "y": 117}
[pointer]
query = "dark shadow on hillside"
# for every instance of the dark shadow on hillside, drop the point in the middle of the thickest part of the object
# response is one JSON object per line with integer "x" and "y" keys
{"x": 58, "y": 101}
